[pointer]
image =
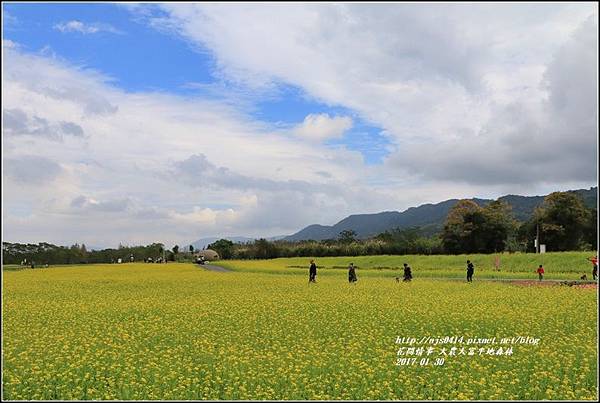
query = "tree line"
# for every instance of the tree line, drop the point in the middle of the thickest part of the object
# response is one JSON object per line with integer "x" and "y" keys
{"x": 46, "y": 253}
{"x": 562, "y": 221}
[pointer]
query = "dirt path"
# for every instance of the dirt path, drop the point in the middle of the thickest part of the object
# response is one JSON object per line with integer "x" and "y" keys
{"x": 212, "y": 267}
{"x": 528, "y": 282}
{"x": 570, "y": 283}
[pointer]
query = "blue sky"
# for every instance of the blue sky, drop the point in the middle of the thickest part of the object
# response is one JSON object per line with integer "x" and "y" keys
{"x": 138, "y": 57}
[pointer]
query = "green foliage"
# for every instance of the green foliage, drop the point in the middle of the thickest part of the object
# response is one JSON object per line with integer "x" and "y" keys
{"x": 497, "y": 226}
{"x": 470, "y": 228}
{"x": 224, "y": 247}
{"x": 590, "y": 230}
{"x": 391, "y": 242}
{"x": 565, "y": 223}
{"x": 347, "y": 236}
{"x": 45, "y": 253}
{"x": 264, "y": 249}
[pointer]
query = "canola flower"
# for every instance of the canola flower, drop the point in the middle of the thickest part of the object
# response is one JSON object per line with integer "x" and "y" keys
{"x": 140, "y": 331}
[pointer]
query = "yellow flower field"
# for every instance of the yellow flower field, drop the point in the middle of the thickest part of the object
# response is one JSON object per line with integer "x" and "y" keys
{"x": 176, "y": 331}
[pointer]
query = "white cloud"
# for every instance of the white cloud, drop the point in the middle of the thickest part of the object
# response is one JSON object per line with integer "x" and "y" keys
{"x": 447, "y": 82}
{"x": 320, "y": 127}
{"x": 8, "y": 44}
{"x": 84, "y": 28}
{"x": 31, "y": 170}
{"x": 152, "y": 165}
{"x": 548, "y": 140}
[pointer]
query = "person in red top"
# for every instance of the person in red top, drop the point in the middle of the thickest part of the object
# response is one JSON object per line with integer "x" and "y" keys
{"x": 540, "y": 272}
{"x": 594, "y": 261}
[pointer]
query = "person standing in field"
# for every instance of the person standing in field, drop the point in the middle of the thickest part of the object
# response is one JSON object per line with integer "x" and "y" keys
{"x": 312, "y": 272}
{"x": 540, "y": 272}
{"x": 352, "y": 274}
{"x": 594, "y": 260}
{"x": 407, "y": 272}
{"x": 470, "y": 271}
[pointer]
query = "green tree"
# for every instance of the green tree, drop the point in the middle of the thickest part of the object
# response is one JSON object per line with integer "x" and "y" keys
{"x": 590, "y": 231}
{"x": 347, "y": 236}
{"x": 470, "y": 228}
{"x": 170, "y": 256}
{"x": 498, "y": 225}
{"x": 264, "y": 249}
{"x": 457, "y": 235}
{"x": 224, "y": 247}
{"x": 562, "y": 219}
{"x": 401, "y": 241}
{"x": 175, "y": 250}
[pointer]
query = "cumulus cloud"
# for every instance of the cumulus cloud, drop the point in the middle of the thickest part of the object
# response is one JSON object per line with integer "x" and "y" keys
{"x": 199, "y": 172}
{"x": 156, "y": 165}
{"x": 31, "y": 170}
{"x": 8, "y": 44}
{"x": 447, "y": 82}
{"x": 550, "y": 140}
{"x": 89, "y": 204}
{"x": 84, "y": 28}
{"x": 320, "y": 127}
{"x": 17, "y": 123}
{"x": 85, "y": 91}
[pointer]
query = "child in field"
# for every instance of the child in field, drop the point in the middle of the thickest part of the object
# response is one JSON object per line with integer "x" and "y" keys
{"x": 540, "y": 272}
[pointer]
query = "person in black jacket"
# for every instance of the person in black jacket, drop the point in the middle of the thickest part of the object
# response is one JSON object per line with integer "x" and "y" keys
{"x": 352, "y": 274}
{"x": 407, "y": 272}
{"x": 312, "y": 272}
{"x": 470, "y": 271}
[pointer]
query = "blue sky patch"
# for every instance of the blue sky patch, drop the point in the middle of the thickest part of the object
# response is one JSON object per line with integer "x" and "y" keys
{"x": 110, "y": 39}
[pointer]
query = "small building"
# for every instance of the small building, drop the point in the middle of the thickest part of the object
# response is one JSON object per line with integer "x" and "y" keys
{"x": 207, "y": 254}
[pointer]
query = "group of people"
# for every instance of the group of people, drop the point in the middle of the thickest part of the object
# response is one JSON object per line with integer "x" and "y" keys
{"x": 312, "y": 273}
{"x": 32, "y": 264}
{"x": 352, "y": 278}
{"x": 593, "y": 259}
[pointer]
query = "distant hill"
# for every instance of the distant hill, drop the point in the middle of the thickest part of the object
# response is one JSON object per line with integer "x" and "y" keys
{"x": 429, "y": 217}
